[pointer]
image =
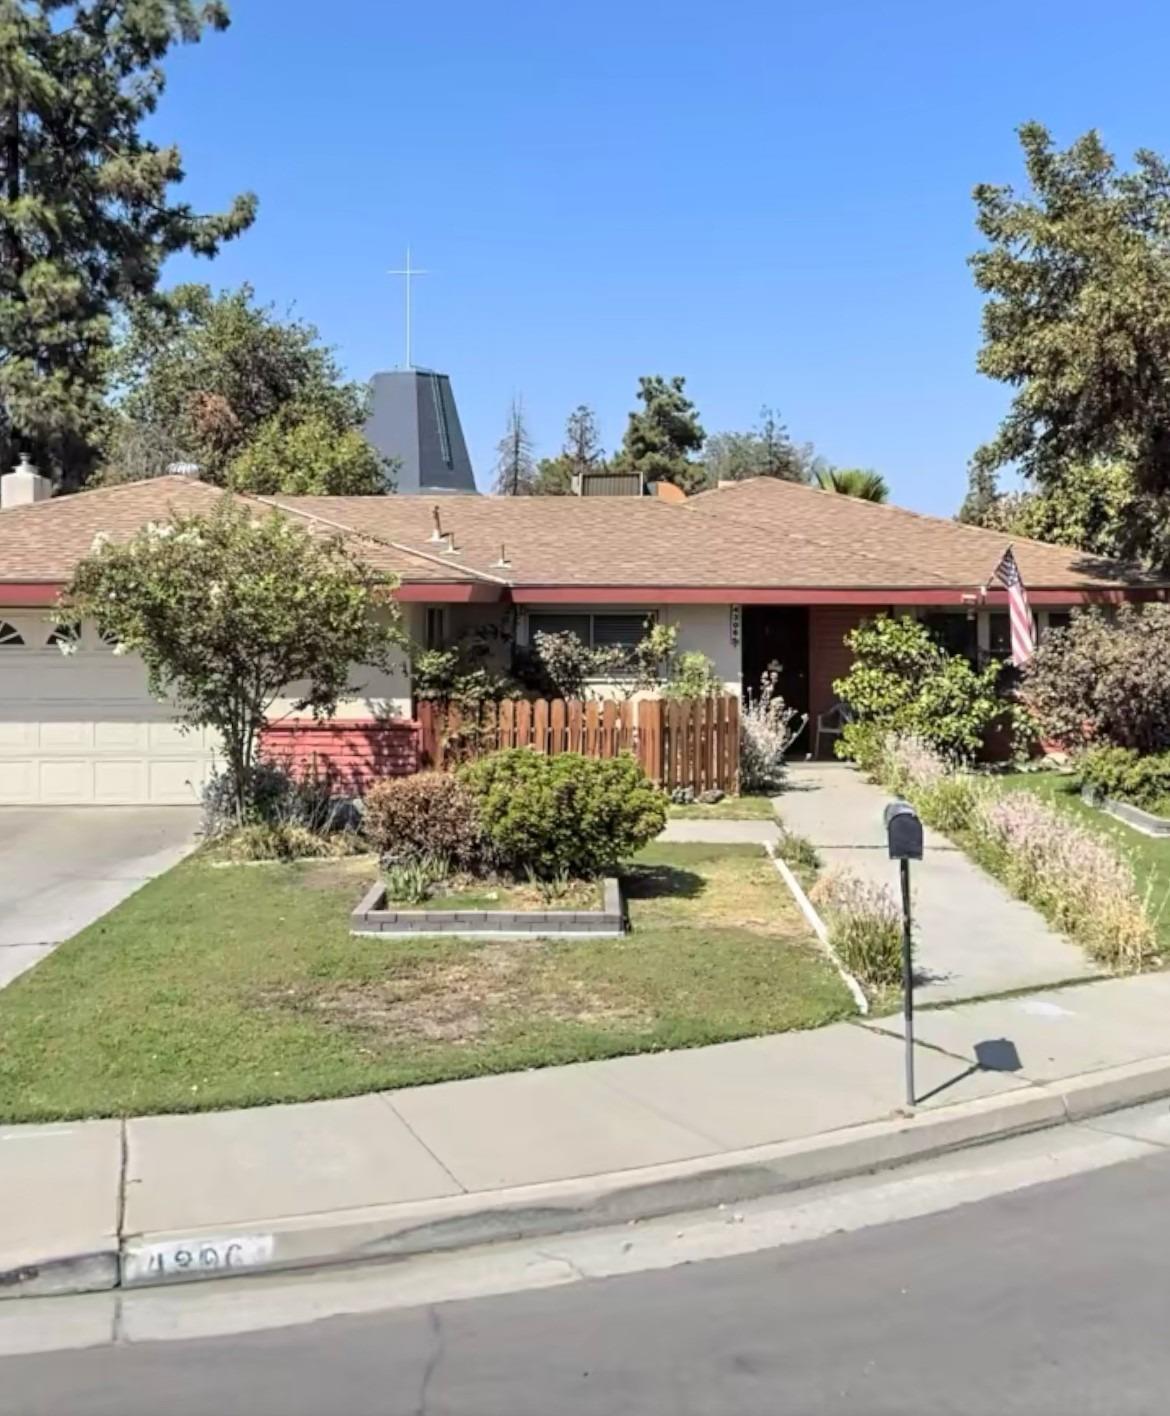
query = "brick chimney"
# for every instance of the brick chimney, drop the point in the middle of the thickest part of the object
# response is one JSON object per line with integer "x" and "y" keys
{"x": 23, "y": 485}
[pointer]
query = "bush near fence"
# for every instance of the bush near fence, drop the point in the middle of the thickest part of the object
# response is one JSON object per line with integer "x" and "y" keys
{"x": 678, "y": 743}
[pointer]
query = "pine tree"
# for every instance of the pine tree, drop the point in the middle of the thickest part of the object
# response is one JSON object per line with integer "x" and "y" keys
{"x": 515, "y": 467}
{"x": 661, "y": 435}
{"x": 85, "y": 223}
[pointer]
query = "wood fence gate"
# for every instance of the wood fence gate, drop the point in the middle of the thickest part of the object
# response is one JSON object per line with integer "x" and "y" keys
{"x": 679, "y": 743}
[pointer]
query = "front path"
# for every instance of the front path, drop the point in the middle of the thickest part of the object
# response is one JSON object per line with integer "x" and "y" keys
{"x": 972, "y": 938}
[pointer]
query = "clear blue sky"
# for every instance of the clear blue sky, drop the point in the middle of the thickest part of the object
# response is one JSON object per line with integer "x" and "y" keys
{"x": 771, "y": 199}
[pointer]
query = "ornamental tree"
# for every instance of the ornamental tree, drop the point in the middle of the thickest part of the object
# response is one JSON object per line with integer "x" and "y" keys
{"x": 86, "y": 218}
{"x": 230, "y": 612}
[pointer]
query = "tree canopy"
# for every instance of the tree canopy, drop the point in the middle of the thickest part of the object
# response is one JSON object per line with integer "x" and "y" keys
{"x": 662, "y": 435}
{"x": 230, "y": 611}
{"x": 764, "y": 451}
{"x": 1077, "y": 318}
{"x": 85, "y": 217}
{"x": 249, "y": 398}
{"x": 581, "y": 452}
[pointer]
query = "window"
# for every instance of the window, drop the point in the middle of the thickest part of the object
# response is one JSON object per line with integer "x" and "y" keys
{"x": 956, "y": 633}
{"x": 598, "y": 631}
{"x": 64, "y": 636}
{"x": 1058, "y": 619}
{"x": 1000, "y": 635}
{"x": 10, "y": 636}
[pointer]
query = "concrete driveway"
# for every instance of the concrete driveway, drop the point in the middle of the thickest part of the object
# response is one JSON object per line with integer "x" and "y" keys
{"x": 63, "y": 867}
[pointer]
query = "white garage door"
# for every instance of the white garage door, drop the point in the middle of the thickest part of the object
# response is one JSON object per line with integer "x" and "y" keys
{"x": 80, "y": 728}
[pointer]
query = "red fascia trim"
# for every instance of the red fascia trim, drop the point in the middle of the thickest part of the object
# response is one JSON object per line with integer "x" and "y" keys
{"x": 449, "y": 592}
{"x": 755, "y": 595}
{"x": 28, "y": 593}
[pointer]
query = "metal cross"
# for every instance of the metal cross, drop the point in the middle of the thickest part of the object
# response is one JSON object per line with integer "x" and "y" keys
{"x": 409, "y": 272}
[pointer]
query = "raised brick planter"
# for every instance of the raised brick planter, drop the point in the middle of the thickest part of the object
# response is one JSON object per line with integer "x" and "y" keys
{"x": 1144, "y": 821}
{"x": 609, "y": 922}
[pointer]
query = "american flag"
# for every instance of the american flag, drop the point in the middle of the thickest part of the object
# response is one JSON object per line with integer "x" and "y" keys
{"x": 1023, "y": 636}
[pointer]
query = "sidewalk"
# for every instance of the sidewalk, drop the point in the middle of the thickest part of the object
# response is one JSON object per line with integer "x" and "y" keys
{"x": 85, "y": 1205}
{"x": 971, "y": 937}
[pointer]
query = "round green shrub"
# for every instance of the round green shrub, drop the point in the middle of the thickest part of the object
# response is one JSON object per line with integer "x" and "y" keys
{"x": 565, "y": 814}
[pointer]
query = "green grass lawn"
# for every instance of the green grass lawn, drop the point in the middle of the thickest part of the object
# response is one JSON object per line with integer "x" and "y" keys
{"x": 731, "y": 808}
{"x": 1150, "y": 856}
{"x": 220, "y": 986}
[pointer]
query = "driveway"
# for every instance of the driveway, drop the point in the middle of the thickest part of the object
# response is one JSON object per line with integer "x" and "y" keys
{"x": 63, "y": 867}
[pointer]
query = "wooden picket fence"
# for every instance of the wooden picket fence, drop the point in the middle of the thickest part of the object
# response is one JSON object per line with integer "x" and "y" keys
{"x": 691, "y": 743}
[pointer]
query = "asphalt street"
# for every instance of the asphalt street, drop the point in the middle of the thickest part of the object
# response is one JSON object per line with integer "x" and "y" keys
{"x": 1050, "y": 1299}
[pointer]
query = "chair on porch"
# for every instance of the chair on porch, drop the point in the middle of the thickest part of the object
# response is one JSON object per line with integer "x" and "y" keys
{"x": 831, "y": 724}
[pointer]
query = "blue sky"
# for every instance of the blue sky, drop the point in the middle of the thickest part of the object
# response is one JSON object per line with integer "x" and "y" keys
{"x": 771, "y": 199}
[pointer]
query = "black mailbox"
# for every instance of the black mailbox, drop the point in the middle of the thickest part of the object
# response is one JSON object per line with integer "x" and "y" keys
{"x": 903, "y": 831}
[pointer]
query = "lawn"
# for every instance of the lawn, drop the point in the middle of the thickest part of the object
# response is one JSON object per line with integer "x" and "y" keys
{"x": 731, "y": 808}
{"x": 1150, "y": 857}
{"x": 220, "y": 986}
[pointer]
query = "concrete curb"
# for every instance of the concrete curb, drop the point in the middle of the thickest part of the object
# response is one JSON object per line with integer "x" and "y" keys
{"x": 462, "y": 1221}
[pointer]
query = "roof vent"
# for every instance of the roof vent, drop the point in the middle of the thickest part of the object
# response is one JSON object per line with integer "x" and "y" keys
{"x": 182, "y": 469}
{"x": 450, "y": 549}
{"x": 503, "y": 563}
{"x": 437, "y": 533}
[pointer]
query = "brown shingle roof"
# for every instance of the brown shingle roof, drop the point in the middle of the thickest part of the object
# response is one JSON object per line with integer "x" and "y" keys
{"x": 957, "y": 554}
{"x": 764, "y": 534}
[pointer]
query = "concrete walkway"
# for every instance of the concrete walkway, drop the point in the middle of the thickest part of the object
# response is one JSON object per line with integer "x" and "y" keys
{"x": 63, "y": 867}
{"x": 461, "y": 1162}
{"x": 972, "y": 937}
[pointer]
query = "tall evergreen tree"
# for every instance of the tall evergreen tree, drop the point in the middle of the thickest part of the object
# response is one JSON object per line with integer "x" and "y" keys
{"x": 85, "y": 220}
{"x": 1077, "y": 318}
{"x": 661, "y": 435}
{"x": 515, "y": 466}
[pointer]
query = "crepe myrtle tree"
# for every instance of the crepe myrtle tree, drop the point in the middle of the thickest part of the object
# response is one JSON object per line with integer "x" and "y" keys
{"x": 228, "y": 612}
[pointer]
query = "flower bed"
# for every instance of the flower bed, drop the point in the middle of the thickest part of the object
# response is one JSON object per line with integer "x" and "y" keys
{"x": 1073, "y": 876}
{"x": 377, "y": 915}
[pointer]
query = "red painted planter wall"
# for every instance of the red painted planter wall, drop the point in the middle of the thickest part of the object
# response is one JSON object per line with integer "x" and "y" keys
{"x": 354, "y": 752}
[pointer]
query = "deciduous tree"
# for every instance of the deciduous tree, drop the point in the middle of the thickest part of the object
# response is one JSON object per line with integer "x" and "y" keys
{"x": 231, "y": 611}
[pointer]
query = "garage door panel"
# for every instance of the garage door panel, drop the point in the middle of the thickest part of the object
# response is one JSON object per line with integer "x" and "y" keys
{"x": 65, "y": 780}
{"x": 82, "y": 728}
{"x": 18, "y": 782}
{"x": 70, "y": 735}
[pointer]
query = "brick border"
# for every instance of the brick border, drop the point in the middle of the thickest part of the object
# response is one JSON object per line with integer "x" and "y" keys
{"x": 609, "y": 922}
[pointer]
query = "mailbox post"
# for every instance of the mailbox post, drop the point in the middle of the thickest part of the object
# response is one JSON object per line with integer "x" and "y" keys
{"x": 904, "y": 837}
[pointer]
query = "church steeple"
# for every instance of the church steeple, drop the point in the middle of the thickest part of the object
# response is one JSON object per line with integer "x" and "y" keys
{"x": 413, "y": 419}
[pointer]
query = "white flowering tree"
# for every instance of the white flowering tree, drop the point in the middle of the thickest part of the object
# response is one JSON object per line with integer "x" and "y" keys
{"x": 228, "y": 611}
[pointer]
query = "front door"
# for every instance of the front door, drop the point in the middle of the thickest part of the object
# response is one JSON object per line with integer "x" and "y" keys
{"x": 776, "y": 637}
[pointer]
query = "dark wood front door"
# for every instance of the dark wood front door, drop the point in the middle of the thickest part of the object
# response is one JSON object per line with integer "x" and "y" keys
{"x": 776, "y": 637}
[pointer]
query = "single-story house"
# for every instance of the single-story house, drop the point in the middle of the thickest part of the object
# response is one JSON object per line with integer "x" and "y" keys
{"x": 751, "y": 573}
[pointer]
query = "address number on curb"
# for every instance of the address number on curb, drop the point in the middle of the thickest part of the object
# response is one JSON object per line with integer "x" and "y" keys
{"x": 196, "y": 1258}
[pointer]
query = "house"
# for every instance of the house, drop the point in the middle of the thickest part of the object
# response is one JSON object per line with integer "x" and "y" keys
{"x": 751, "y": 573}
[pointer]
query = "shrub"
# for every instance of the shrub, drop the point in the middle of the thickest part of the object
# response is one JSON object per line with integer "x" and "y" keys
{"x": 564, "y": 814}
{"x": 946, "y": 798}
{"x": 1126, "y": 775}
{"x": 409, "y": 818}
{"x": 692, "y": 675}
{"x": 865, "y": 927}
{"x": 768, "y": 728}
{"x": 277, "y": 796}
{"x": 902, "y": 681}
{"x": 1105, "y": 678}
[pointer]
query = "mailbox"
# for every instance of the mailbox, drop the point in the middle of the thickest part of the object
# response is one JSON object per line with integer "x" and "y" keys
{"x": 903, "y": 831}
